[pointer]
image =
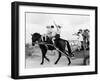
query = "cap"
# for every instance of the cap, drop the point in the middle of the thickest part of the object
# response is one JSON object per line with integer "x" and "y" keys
{"x": 52, "y": 26}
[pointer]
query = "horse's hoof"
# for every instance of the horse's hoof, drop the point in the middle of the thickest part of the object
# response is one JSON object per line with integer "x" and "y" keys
{"x": 55, "y": 63}
{"x": 69, "y": 63}
{"x": 41, "y": 63}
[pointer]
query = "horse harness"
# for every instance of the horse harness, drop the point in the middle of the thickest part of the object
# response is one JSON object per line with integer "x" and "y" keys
{"x": 43, "y": 43}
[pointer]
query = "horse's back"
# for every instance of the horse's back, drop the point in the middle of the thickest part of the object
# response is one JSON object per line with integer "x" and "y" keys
{"x": 60, "y": 43}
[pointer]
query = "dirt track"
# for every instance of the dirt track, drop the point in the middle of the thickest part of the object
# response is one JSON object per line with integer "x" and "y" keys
{"x": 34, "y": 60}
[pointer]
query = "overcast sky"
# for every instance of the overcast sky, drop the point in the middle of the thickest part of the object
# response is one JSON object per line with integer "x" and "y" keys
{"x": 37, "y": 22}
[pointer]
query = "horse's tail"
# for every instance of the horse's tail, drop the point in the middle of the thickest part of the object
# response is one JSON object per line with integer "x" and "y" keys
{"x": 68, "y": 47}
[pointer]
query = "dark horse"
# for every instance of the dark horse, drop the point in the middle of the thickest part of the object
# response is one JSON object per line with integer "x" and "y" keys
{"x": 48, "y": 45}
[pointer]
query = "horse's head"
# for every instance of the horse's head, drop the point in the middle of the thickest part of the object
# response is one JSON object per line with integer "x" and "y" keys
{"x": 35, "y": 38}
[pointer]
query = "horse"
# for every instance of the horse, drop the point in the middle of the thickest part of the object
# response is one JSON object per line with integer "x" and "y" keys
{"x": 47, "y": 44}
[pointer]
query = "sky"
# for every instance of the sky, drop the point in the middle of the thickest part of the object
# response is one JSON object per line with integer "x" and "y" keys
{"x": 71, "y": 23}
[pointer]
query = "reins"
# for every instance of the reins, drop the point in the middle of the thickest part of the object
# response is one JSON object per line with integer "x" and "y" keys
{"x": 51, "y": 45}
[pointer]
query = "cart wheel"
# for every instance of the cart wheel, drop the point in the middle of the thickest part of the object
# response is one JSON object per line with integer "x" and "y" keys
{"x": 86, "y": 61}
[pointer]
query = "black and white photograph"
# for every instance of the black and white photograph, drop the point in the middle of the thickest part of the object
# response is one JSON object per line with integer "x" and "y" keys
{"x": 53, "y": 40}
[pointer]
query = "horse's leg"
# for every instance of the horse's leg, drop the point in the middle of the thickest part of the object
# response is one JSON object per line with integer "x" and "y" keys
{"x": 44, "y": 51}
{"x": 46, "y": 58}
{"x": 42, "y": 58}
{"x": 58, "y": 58}
{"x": 43, "y": 54}
{"x": 69, "y": 60}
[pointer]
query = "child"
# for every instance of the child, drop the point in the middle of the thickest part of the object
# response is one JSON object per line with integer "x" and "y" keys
{"x": 50, "y": 33}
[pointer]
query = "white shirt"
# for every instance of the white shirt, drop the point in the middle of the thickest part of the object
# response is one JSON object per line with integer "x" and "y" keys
{"x": 80, "y": 37}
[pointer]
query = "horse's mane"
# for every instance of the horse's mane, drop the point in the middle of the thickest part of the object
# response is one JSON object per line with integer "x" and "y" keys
{"x": 37, "y": 34}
